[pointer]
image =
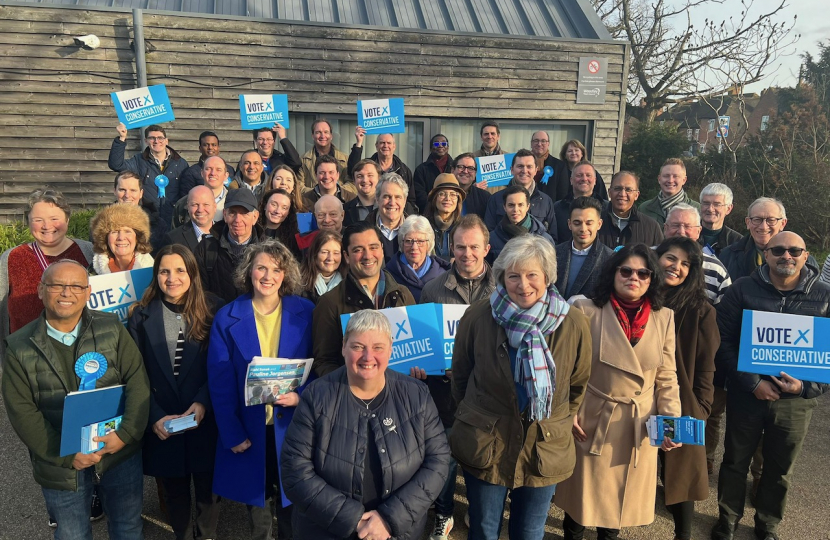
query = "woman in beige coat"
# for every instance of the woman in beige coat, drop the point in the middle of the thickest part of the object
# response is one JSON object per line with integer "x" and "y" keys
{"x": 632, "y": 377}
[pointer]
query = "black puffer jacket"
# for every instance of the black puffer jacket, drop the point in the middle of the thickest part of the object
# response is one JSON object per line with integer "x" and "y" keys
{"x": 756, "y": 292}
{"x": 323, "y": 455}
{"x": 217, "y": 263}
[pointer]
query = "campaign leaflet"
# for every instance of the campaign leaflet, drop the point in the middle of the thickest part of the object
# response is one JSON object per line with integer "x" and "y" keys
{"x": 268, "y": 378}
{"x": 97, "y": 429}
{"x": 685, "y": 429}
{"x": 181, "y": 424}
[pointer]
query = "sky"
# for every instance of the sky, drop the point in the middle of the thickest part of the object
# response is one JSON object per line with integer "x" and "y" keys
{"x": 812, "y": 23}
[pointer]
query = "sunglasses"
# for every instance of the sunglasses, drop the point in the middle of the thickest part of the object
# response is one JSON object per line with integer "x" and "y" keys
{"x": 440, "y": 144}
{"x": 642, "y": 273}
{"x": 778, "y": 251}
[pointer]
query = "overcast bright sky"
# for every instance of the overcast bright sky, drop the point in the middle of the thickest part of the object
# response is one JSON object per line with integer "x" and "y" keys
{"x": 813, "y": 24}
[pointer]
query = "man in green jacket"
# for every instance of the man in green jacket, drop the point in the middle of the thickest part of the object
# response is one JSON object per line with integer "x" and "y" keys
{"x": 38, "y": 373}
{"x": 672, "y": 179}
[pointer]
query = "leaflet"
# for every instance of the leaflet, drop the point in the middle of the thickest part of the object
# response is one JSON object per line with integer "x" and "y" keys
{"x": 97, "y": 429}
{"x": 181, "y": 424}
{"x": 269, "y": 378}
{"x": 685, "y": 429}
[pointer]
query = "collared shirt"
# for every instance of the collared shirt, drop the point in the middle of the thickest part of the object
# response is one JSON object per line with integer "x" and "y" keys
{"x": 390, "y": 234}
{"x": 220, "y": 205}
{"x": 580, "y": 252}
{"x": 620, "y": 222}
{"x": 67, "y": 338}
{"x": 158, "y": 163}
{"x": 199, "y": 232}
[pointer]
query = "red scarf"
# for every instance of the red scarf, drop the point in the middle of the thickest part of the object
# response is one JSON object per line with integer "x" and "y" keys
{"x": 633, "y": 327}
{"x": 441, "y": 162}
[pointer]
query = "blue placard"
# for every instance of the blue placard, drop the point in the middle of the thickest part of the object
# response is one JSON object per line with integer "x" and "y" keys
{"x": 494, "y": 169}
{"x": 775, "y": 342}
{"x": 263, "y": 110}
{"x": 416, "y": 338}
{"x": 306, "y": 222}
{"x": 143, "y": 106}
{"x": 115, "y": 293}
{"x": 378, "y": 116}
{"x": 449, "y": 315}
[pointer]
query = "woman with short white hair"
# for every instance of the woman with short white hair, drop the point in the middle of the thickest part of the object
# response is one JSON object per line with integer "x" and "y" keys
{"x": 415, "y": 264}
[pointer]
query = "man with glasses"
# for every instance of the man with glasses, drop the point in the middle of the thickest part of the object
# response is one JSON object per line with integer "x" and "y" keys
{"x": 780, "y": 407}
{"x": 386, "y": 159}
{"x": 621, "y": 223}
{"x": 265, "y": 140}
{"x": 765, "y": 218}
{"x": 39, "y": 370}
{"x": 540, "y": 146}
{"x": 159, "y": 166}
{"x": 683, "y": 220}
{"x": 715, "y": 205}
{"x": 464, "y": 169}
{"x": 438, "y": 162}
{"x": 208, "y": 147}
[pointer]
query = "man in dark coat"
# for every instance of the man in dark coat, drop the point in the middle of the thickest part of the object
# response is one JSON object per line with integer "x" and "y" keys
{"x": 366, "y": 286}
{"x": 579, "y": 260}
{"x": 622, "y": 224}
{"x": 219, "y": 254}
{"x": 386, "y": 159}
{"x": 780, "y": 407}
{"x": 159, "y": 167}
{"x": 582, "y": 182}
{"x": 765, "y": 218}
{"x": 192, "y": 177}
{"x": 439, "y": 161}
{"x": 264, "y": 139}
{"x": 201, "y": 208}
{"x": 715, "y": 204}
{"x": 464, "y": 169}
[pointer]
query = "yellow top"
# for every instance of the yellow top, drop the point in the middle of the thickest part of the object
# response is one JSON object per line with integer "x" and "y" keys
{"x": 268, "y": 332}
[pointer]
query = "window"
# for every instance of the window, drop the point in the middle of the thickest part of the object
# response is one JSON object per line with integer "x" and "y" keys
{"x": 764, "y": 122}
{"x": 702, "y": 148}
{"x": 712, "y": 125}
{"x": 689, "y": 133}
{"x": 464, "y": 135}
{"x": 697, "y": 134}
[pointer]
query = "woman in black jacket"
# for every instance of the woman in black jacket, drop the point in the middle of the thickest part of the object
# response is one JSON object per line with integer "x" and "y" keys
{"x": 171, "y": 325}
{"x": 365, "y": 454}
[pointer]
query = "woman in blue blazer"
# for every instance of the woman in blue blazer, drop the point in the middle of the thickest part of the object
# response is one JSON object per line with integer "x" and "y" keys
{"x": 170, "y": 325}
{"x": 268, "y": 320}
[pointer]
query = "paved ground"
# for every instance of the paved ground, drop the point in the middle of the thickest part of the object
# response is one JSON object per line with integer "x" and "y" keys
{"x": 23, "y": 516}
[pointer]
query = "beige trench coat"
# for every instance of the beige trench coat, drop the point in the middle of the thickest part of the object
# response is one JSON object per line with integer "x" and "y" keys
{"x": 614, "y": 482}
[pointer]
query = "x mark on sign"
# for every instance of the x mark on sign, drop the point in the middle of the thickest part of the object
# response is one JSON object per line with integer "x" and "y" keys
{"x": 147, "y": 100}
{"x": 802, "y": 334}
{"x": 124, "y": 292}
{"x": 401, "y": 329}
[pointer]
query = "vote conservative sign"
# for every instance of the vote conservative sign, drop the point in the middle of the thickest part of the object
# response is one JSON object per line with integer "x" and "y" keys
{"x": 775, "y": 342}
{"x": 449, "y": 315}
{"x": 263, "y": 110}
{"x": 494, "y": 169}
{"x": 378, "y": 116}
{"x": 143, "y": 106}
{"x": 116, "y": 292}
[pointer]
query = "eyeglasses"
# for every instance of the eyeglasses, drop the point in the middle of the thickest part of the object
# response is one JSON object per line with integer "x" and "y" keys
{"x": 539, "y": 141}
{"x": 778, "y": 251}
{"x": 642, "y": 273}
{"x": 263, "y": 140}
{"x": 627, "y": 190}
{"x": 440, "y": 144}
{"x": 154, "y": 139}
{"x": 56, "y": 288}
{"x": 465, "y": 168}
{"x": 715, "y": 205}
{"x": 409, "y": 242}
{"x": 451, "y": 195}
{"x": 771, "y": 221}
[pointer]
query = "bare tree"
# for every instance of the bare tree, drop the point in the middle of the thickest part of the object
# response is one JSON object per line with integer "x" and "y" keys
{"x": 672, "y": 60}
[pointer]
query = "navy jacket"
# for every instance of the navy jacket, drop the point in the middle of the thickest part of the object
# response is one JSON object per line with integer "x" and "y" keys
{"x": 541, "y": 207}
{"x": 588, "y": 275}
{"x": 404, "y": 275}
{"x": 499, "y": 237}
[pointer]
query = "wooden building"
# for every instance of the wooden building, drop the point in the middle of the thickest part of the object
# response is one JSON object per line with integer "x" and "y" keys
{"x": 455, "y": 62}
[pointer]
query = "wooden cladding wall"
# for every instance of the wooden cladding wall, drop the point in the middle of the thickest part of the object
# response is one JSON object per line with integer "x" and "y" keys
{"x": 59, "y": 120}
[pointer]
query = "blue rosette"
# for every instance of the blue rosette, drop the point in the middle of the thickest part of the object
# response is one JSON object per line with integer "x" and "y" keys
{"x": 162, "y": 182}
{"x": 548, "y": 172}
{"x": 90, "y": 367}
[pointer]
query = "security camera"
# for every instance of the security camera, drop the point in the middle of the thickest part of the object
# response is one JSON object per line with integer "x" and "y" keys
{"x": 88, "y": 42}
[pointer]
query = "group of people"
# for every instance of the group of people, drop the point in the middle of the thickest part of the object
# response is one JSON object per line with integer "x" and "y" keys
{"x": 586, "y": 315}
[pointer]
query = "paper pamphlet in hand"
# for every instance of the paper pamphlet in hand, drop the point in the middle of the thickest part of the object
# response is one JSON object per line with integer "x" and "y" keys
{"x": 269, "y": 378}
{"x": 180, "y": 424}
{"x": 143, "y": 106}
{"x": 685, "y": 429}
{"x": 416, "y": 338}
{"x": 494, "y": 169}
{"x": 80, "y": 409}
{"x": 98, "y": 429}
{"x": 116, "y": 292}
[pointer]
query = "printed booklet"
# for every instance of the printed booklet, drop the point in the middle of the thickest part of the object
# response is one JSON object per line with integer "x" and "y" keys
{"x": 269, "y": 378}
{"x": 98, "y": 429}
{"x": 686, "y": 430}
{"x": 180, "y": 424}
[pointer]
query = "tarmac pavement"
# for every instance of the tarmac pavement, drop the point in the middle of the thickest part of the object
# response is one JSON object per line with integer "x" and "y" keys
{"x": 23, "y": 514}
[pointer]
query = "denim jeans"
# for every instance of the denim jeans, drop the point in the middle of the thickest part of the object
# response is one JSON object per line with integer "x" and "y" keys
{"x": 445, "y": 503}
{"x": 528, "y": 510}
{"x": 122, "y": 497}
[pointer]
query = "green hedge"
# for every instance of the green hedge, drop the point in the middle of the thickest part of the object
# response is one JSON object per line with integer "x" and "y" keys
{"x": 17, "y": 232}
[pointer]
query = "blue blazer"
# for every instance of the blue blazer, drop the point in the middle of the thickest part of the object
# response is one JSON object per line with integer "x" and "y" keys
{"x": 233, "y": 344}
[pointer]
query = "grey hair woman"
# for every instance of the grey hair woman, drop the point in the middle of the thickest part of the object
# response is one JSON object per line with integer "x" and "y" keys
{"x": 415, "y": 265}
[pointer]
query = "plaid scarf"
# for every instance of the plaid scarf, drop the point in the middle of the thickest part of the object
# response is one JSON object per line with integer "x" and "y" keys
{"x": 526, "y": 328}
{"x": 632, "y": 327}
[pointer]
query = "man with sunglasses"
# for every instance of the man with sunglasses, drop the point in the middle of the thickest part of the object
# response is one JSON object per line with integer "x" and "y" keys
{"x": 39, "y": 370}
{"x": 464, "y": 169}
{"x": 159, "y": 166}
{"x": 439, "y": 161}
{"x": 777, "y": 407}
